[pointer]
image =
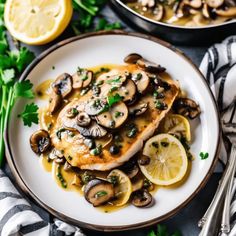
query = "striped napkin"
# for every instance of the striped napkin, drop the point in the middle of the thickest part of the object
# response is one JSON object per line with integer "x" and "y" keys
{"x": 219, "y": 68}
{"x": 16, "y": 214}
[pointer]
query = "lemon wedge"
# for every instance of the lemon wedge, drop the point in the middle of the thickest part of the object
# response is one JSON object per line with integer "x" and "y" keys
{"x": 37, "y": 22}
{"x": 176, "y": 124}
{"x": 168, "y": 160}
{"x": 123, "y": 188}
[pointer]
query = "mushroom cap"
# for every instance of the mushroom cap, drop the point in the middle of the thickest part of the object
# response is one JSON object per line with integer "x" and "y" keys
{"x": 63, "y": 85}
{"x": 114, "y": 117}
{"x": 40, "y": 141}
{"x": 151, "y": 67}
{"x": 132, "y": 58}
{"x": 82, "y": 78}
{"x": 138, "y": 108}
{"x": 142, "y": 198}
{"x": 141, "y": 80}
{"x": 98, "y": 192}
{"x": 55, "y": 101}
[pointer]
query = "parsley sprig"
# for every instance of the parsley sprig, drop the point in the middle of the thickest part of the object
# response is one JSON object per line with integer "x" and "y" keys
{"x": 162, "y": 231}
{"x": 88, "y": 11}
{"x": 12, "y": 63}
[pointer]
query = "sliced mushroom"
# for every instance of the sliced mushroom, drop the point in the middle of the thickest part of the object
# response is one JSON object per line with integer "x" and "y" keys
{"x": 83, "y": 119}
{"x": 214, "y": 3}
{"x": 95, "y": 106}
{"x": 230, "y": 3}
{"x": 40, "y": 141}
{"x": 114, "y": 117}
{"x": 55, "y": 101}
{"x": 181, "y": 9}
{"x": 131, "y": 172}
{"x": 82, "y": 78}
{"x": 127, "y": 91}
{"x": 104, "y": 141}
{"x": 193, "y": 3}
{"x": 187, "y": 107}
{"x": 132, "y": 58}
{"x": 142, "y": 198}
{"x": 228, "y": 12}
{"x": 143, "y": 160}
{"x": 150, "y": 66}
{"x": 205, "y": 11}
{"x": 98, "y": 192}
{"x": 67, "y": 166}
{"x": 148, "y": 3}
{"x": 158, "y": 12}
{"x": 138, "y": 108}
{"x": 137, "y": 183}
{"x": 63, "y": 85}
{"x": 93, "y": 130}
{"x": 141, "y": 80}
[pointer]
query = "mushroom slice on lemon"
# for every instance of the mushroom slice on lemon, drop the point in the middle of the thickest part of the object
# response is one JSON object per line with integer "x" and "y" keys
{"x": 168, "y": 160}
{"x": 114, "y": 117}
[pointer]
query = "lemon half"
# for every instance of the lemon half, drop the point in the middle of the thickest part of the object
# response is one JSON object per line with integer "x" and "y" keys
{"x": 168, "y": 160}
{"x": 37, "y": 22}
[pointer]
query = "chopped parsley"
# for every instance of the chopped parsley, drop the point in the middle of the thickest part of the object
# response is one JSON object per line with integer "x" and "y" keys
{"x": 118, "y": 114}
{"x": 204, "y": 155}
{"x": 116, "y": 80}
{"x": 112, "y": 99}
{"x": 100, "y": 194}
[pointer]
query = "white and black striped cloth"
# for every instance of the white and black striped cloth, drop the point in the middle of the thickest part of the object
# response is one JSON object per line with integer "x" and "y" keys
{"x": 16, "y": 214}
{"x": 18, "y": 218}
{"x": 219, "y": 69}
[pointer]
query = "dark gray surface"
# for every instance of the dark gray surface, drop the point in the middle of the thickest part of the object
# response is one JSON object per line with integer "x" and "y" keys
{"x": 186, "y": 220}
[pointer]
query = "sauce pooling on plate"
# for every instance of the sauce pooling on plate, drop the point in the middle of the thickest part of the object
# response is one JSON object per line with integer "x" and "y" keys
{"x": 95, "y": 124}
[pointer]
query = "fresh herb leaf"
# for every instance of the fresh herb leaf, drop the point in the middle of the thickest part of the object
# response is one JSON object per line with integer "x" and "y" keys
{"x": 204, "y": 155}
{"x": 24, "y": 58}
{"x": 114, "y": 81}
{"x": 30, "y": 114}
{"x": 152, "y": 233}
{"x": 23, "y": 89}
{"x": 103, "y": 24}
{"x": 100, "y": 194}
{"x": 113, "y": 99}
{"x": 162, "y": 231}
{"x": 8, "y": 75}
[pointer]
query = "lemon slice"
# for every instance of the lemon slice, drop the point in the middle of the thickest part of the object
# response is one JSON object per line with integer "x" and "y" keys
{"x": 168, "y": 160}
{"x": 176, "y": 124}
{"x": 37, "y": 21}
{"x": 123, "y": 189}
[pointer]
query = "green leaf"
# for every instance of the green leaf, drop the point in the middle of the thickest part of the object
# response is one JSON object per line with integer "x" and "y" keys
{"x": 25, "y": 57}
{"x": 8, "y": 75}
{"x": 113, "y": 99}
{"x": 103, "y": 24}
{"x": 204, "y": 155}
{"x": 30, "y": 114}
{"x": 5, "y": 62}
{"x": 23, "y": 89}
{"x": 100, "y": 194}
{"x": 161, "y": 230}
{"x": 152, "y": 233}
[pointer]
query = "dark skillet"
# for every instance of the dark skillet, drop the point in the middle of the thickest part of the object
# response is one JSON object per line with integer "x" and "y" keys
{"x": 176, "y": 34}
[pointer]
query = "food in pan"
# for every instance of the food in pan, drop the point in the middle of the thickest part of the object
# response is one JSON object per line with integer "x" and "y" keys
{"x": 115, "y": 132}
{"x": 189, "y": 13}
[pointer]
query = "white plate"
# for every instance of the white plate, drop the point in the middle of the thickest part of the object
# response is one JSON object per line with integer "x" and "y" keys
{"x": 91, "y": 50}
